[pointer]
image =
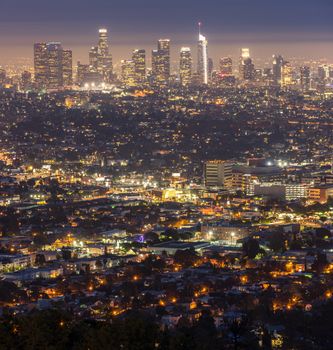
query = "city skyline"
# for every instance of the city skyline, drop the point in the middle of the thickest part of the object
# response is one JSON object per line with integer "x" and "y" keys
{"x": 262, "y": 52}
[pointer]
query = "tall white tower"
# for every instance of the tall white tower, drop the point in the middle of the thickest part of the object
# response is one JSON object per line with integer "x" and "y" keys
{"x": 202, "y": 57}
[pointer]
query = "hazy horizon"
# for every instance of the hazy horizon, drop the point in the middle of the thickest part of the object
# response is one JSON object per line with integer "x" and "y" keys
{"x": 260, "y": 50}
{"x": 298, "y": 28}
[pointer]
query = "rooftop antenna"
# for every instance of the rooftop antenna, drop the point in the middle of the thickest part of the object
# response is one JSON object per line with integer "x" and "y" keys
{"x": 199, "y": 25}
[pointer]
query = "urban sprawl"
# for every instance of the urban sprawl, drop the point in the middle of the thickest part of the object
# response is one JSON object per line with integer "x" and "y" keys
{"x": 176, "y": 206}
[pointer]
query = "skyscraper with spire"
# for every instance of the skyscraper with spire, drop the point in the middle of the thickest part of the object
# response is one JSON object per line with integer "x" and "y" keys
{"x": 202, "y": 58}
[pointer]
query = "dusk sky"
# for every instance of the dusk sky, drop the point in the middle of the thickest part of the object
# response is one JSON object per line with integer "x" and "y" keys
{"x": 293, "y": 27}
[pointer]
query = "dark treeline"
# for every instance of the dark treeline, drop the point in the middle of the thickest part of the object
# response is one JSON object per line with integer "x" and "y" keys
{"x": 57, "y": 330}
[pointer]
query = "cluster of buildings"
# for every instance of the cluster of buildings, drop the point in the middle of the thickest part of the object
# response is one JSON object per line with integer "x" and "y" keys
{"x": 54, "y": 69}
{"x": 262, "y": 177}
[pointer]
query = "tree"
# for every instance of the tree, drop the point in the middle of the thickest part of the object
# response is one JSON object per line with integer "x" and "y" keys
{"x": 171, "y": 233}
{"x": 10, "y": 292}
{"x": 320, "y": 263}
{"x": 40, "y": 259}
{"x": 10, "y": 223}
{"x": 277, "y": 242}
{"x": 251, "y": 248}
{"x": 237, "y": 328}
{"x": 186, "y": 258}
{"x": 322, "y": 232}
{"x": 186, "y": 235}
{"x": 151, "y": 237}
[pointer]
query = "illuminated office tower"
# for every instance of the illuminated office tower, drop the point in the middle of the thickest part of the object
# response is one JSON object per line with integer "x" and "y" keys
{"x": 246, "y": 66}
{"x": 286, "y": 75}
{"x": 305, "y": 78}
{"x": 323, "y": 73}
{"x": 218, "y": 173}
{"x": 210, "y": 68}
{"x": 93, "y": 59}
{"x": 41, "y": 65}
{"x": 163, "y": 47}
{"x": 128, "y": 75}
{"x": 2, "y": 77}
{"x": 104, "y": 64}
{"x": 330, "y": 71}
{"x": 277, "y": 69}
{"x": 245, "y": 53}
{"x": 26, "y": 81}
{"x": 139, "y": 61}
{"x": 249, "y": 71}
{"x": 322, "y": 77}
{"x": 161, "y": 62}
{"x": 202, "y": 58}
{"x": 55, "y": 67}
{"x": 82, "y": 73}
{"x": 185, "y": 66}
{"x": 226, "y": 66}
{"x": 156, "y": 67}
{"x": 67, "y": 67}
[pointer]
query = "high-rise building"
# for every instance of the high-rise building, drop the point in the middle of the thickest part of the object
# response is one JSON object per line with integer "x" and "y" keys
{"x": 41, "y": 65}
{"x": 246, "y": 66}
{"x": 93, "y": 59}
{"x": 139, "y": 61}
{"x": 161, "y": 62}
{"x": 128, "y": 75}
{"x": 277, "y": 69}
{"x": 210, "y": 68}
{"x": 202, "y": 58}
{"x": 155, "y": 65}
{"x": 286, "y": 74}
{"x": 218, "y": 173}
{"x": 185, "y": 66}
{"x": 305, "y": 78}
{"x": 82, "y": 73}
{"x": 26, "y": 81}
{"x": 164, "y": 45}
{"x": 323, "y": 73}
{"x": 226, "y": 66}
{"x": 104, "y": 58}
{"x": 245, "y": 53}
{"x": 55, "y": 66}
{"x": 67, "y": 67}
{"x": 3, "y": 77}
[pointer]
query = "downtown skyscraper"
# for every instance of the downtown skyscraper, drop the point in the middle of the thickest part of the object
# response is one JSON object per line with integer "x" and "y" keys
{"x": 133, "y": 72}
{"x": 225, "y": 66}
{"x": 305, "y": 78}
{"x": 161, "y": 63}
{"x": 67, "y": 67}
{"x": 41, "y": 65}
{"x": 246, "y": 66}
{"x": 139, "y": 62}
{"x": 286, "y": 75}
{"x": 100, "y": 58}
{"x": 202, "y": 58}
{"x": 52, "y": 66}
{"x": 278, "y": 62}
{"x": 185, "y": 66}
{"x": 105, "y": 67}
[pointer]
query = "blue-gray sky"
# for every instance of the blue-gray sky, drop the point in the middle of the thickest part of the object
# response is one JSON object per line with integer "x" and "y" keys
{"x": 291, "y": 25}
